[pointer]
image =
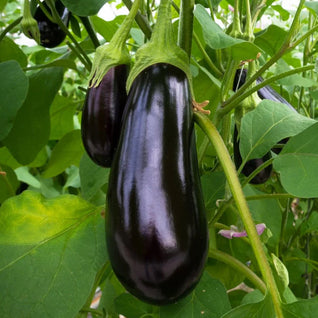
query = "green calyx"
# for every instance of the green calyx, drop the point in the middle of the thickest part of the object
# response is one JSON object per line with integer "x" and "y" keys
{"x": 115, "y": 52}
{"x": 29, "y": 25}
{"x": 161, "y": 48}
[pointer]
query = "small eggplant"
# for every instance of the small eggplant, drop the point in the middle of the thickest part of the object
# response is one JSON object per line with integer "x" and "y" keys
{"x": 102, "y": 114}
{"x": 51, "y": 35}
{"x": 156, "y": 228}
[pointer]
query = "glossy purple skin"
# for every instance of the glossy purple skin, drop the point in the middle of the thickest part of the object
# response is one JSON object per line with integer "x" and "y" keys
{"x": 51, "y": 35}
{"x": 156, "y": 229}
{"x": 102, "y": 115}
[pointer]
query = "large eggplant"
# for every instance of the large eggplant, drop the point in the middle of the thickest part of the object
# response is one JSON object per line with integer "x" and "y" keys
{"x": 156, "y": 228}
{"x": 51, "y": 34}
{"x": 102, "y": 115}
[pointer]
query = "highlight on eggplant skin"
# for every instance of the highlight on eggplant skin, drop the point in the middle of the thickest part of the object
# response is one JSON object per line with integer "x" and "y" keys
{"x": 51, "y": 34}
{"x": 266, "y": 92}
{"x": 156, "y": 228}
{"x": 251, "y": 165}
{"x": 102, "y": 115}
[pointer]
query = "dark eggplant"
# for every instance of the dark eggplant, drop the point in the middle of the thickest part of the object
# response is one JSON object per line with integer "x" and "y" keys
{"x": 156, "y": 228}
{"x": 51, "y": 35}
{"x": 251, "y": 165}
{"x": 102, "y": 114}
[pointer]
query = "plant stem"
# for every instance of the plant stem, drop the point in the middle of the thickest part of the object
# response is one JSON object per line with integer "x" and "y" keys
{"x": 206, "y": 57}
{"x": 236, "y": 31}
{"x": 9, "y": 28}
{"x": 237, "y": 97}
{"x": 58, "y": 20}
{"x": 78, "y": 54}
{"x": 237, "y": 192}
{"x": 141, "y": 20}
{"x": 89, "y": 28}
{"x": 9, "y": 185}
{"x": 186, "y": 25}
{"x": 238, "y": 266}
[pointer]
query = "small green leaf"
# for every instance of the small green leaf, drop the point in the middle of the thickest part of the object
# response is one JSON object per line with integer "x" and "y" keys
{"x": 11, "y": 51}
{"x": 93, "y": 177}
{"x": 13, "y": 91}
{"x": 50, "y": 252}
{"x": 266, "y": 125}
{"x": 297, "y": 164}
{"x": 67, "y": 152}
{"x": 282, "y": 272}
{"x": 31, "y": 128}
{"x": 84, "y": 8}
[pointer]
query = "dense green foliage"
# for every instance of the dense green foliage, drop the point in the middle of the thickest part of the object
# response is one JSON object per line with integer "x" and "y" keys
{"x": 53, "y": 253}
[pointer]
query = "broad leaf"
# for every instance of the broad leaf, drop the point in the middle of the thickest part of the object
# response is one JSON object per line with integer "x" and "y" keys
{"x": 216, "y": 38}
{"x": 84, "y": 7}
{"x": 11, "y": 51}
{"x": 61, "y": 115}
{"x": 302, "y": 309}
{"x": 312, "y": 5}
{"x": 93, "y": 177}
{"x": 209, "y": 299}
{"x": 266, "y": 125}
{"x": 107, "y": 28}
{"x": 31, "y": 128}
{"x": 271, "y": 39}
{"x": 13, "y": 91}
{"x": 50, "y": 252}
{"x": 298, "y": 162}
{"x": 67, "y": 152}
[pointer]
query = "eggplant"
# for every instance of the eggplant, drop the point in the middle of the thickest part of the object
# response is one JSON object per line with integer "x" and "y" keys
{"x": 156, "y": 227}
{"x": 102, "y": 114}
{"x": 51, "y": 34}
{"x": 251, "y": 165}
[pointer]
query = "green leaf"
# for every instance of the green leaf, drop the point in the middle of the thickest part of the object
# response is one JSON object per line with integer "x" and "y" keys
{"x": 8, "y": 183}
{"x": 13, "y": 91}
{"x": 31, "y": 128}
{"x": 302, "y": 309}
{"x": 84, "y": 7}
{"x": 311, "y": 225}
{"x": 265, "y": 211}
{"x": 213, "y": 186}
{"x": 62, "y": 111}
{"x": 3, "y": 3}
{"x": 282, "y": 273}
{"x": 215, "y": 37}
{"x": 67, "y": 152}
{"x": 261, "y": 309}
{"x": 312, "y": 5}
{"x": 11, "y": 51}
{"x": 209, "y": 299}
{"x": 107, "y": 28}
{"x": 284, "y": 14}
{"x": 50, "y": 252}
{"x": 266, "y": 125}
{"x": 271, "y": 39}
{"x": 131, "y": 307}
{"x": 297, "y": 164}
{"x": 93, "y": 177}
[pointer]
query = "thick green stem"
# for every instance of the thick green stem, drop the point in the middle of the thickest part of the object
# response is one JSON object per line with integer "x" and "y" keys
{"x": 238, "y": 266}
{"x": 236, "y": 98}
{"x": 236, "y": 31}
{"x": 248, "y": 33}
{"x": 89, "y": 28}
{"x": 9, "y": 28}
{"x": 186, "y": 25}
{"x": 237, "y": 192}
{"x": 141, "y": 20}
